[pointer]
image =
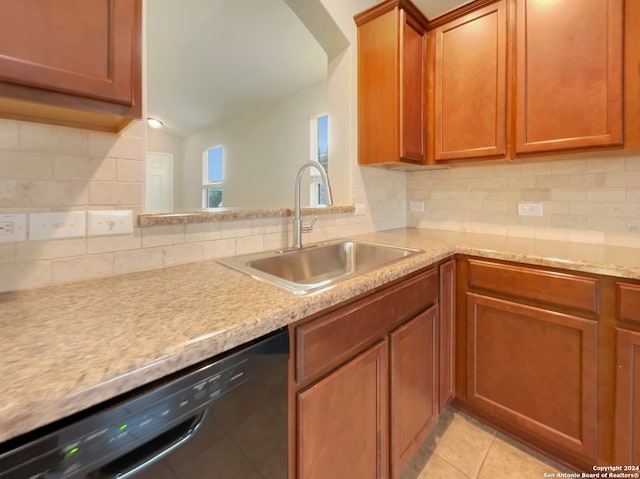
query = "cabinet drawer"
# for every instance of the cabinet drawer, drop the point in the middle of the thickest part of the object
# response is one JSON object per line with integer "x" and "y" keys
{"x": 558, "y": 289}
{"x": 628, "y": 304}
{"x": 329, "y": 340}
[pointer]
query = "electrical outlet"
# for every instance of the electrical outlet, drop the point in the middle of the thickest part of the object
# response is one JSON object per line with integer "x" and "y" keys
{"x": 416, "y": 206}
{"x": 69, "y": 224}
{"x": 530, "y": 209}
{"x": 116, "y": 222}
{"x": 13, "y": 227}
{"x": 361, "y": 209}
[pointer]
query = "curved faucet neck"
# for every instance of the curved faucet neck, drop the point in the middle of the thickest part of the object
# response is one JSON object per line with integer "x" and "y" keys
{"x": 297, "y": 221}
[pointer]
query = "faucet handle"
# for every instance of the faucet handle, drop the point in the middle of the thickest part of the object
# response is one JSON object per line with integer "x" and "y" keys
{"x": 309, "y": 228}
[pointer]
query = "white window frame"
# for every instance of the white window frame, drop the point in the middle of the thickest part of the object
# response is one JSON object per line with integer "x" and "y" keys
{"x": 206, "y": 185}
{"x": 316, "y": 181}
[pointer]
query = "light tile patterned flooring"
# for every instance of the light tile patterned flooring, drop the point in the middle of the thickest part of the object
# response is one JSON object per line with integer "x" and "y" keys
{"x": 462, "y": 448}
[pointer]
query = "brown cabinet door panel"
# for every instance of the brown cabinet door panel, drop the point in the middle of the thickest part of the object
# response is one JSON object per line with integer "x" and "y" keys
{"x": 470, "y": 85}
{"x": 569, "y": 74}
{"x": 628, "y": 301}
{"x": 412, "y": 85}
{"x": 447, "y": 326}
{"x": 342, "y": 424}
{"x": 534, "y": 369}
{"x": 414, "y": 386}
{"x": 80, "y": 47}
{"x": 627, "y": 410}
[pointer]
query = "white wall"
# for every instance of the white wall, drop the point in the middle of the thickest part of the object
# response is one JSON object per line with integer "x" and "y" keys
{"x": 263, "y": 149}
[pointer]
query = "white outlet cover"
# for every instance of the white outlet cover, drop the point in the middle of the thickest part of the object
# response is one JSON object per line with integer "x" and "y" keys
{"x": 416, "y": 206}
{"x": 68, "y": 224}
{"x": 13, "y": 227}
{"x": 114, "y": 222}
{"x": 361, "y": 209}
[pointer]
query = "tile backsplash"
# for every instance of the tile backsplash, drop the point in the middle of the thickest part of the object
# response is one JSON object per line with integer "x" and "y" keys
{"x": 594, "y": 200}
{"x": 51, "y": 168}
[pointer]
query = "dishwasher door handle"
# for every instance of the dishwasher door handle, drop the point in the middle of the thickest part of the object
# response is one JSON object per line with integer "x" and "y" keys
{"x": 172, "y": 446}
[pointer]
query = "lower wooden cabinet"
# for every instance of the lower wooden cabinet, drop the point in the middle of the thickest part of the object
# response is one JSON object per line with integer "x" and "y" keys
{"x": 534, "y": 369}
{"x": 342, "y": 421}
{"x": 447, "y": 333}
{"x": 414, "y": 386}
{"x": 627, "y": 405}
{"x": 365, "y": 382}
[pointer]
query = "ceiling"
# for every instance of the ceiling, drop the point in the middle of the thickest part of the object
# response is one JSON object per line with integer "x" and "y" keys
{"x": 210, "y": 60}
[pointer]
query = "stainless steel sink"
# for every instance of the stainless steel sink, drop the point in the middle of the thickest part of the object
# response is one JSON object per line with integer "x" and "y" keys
{"x": 318, "y": 266}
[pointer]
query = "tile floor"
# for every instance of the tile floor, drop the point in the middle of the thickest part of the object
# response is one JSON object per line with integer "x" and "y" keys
{"x": 462, "y": 448}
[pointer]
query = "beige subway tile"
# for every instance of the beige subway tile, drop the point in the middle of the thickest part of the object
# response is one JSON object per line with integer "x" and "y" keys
{"x": 629, "y": 240}
{"x": 275, "y": 241}
{"x": 24, "y": 164}
{"x": 116, "y": 193}
{"x": 536, "y": 194}
{"x": 616, "y": 209}
{"x": 69, "y": 167}
{"x": 568, "y": 194}
{"x": 235, "y": 229}
{"x": 536, "y": 169}
{"x": 138, "y": 260}
{"x": 13, "y": 193}
{"x": 506, "y": 194}
{"x": 497, "y": 206}
{"x": 82, "y": 267}
{"x": 16, "y": 276}
{"x": 520, "y": 231}
{"x": 218, "y": 248}
{"x": 569, "y": 167}
{"x": 606, "y": 194}
{"x": 586, "y": 236}
{"x": 520, "y": 182}
{"x": 556, "y": 208}
{"x": 509, "y": 170}
{"x": 627, "y": 179}
{"x": 182, "y": 253}
{"x": 107, "y": 244}
{"x": 592, "y": 180}
{"x": 586, "y": 208}
{"x": 131, "y": 170}
{"x": 202, "y": 231}
{"x": 568, "y": 221}
{"x": 8, "y": 251}
{"x": 632, "y": 164}
{"x": 552, "y": 181}
{"x": 102, "y": 145}
{"x": 633, "y": 226}
{"x": 50, "y": 249}
{"x": 536, "y": 221}
{"x": 494, "y": 183}
{"x": 632, "y": 194}
{"x": 606, "y": 223}
{"x": 53, "y": 194}
{"x": 53, "y": 139}
{"x": 605, "y": 165}
{"x": 9, "y": 137}
{"x": 162, "y": 235}
{"x": 269, "y": 225}
{"x": 551, "y": 234}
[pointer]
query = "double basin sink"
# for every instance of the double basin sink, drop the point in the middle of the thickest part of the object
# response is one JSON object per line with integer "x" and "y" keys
{"x": 319, "y": 266}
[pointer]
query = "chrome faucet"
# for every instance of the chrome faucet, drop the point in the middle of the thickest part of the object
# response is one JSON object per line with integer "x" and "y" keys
{"x": 297, "y": 221}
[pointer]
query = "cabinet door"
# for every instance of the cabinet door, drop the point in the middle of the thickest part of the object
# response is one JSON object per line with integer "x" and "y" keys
{"x": 412, "y": 88}
{"x": 447, "y": 326}
{"x": 342, "y": 421}
{"x": 470, "y": 85}
{"x": 627, "y": 409}
{"x": 414, "y": 386}
{"x": 80, "y": 47}
{"x": 569, "y": 74}
{"x": 534, "y": 370}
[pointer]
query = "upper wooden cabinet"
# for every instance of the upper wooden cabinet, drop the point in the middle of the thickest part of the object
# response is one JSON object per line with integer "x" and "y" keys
{"x": 569, "y": 71}
{"x": 470, "y": 85}
{"x": 71, "y": 62}
{"x": 391, "y": 84}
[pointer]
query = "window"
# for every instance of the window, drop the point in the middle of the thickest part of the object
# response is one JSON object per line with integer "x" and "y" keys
{"x": 320, "y": 153}
{"x": 212, "y": 178}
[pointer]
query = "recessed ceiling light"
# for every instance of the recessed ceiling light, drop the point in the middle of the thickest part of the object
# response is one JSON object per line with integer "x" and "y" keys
{"x": 154, "y": 123}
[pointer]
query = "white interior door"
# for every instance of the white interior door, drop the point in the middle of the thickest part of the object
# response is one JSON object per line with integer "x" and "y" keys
{"x": 159, "y": 182}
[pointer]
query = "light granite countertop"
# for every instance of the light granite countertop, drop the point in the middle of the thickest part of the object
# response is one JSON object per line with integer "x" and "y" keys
{"x": 68, "y": 347}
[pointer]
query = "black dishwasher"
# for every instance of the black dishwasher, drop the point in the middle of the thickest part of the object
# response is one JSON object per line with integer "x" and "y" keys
{"x": 222, "y": 419}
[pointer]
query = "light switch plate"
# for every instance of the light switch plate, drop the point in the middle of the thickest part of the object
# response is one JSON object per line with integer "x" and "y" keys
{"x": 530, "y": 209}
{"x": 68, "y": 224}
{"x": 114, "y": 222}
{"x": 417, "y": 206}
{"x": 13, "y": 227}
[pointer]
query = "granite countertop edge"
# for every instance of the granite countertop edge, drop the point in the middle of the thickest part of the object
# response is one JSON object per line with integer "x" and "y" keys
{"x": 184, "y": 334}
